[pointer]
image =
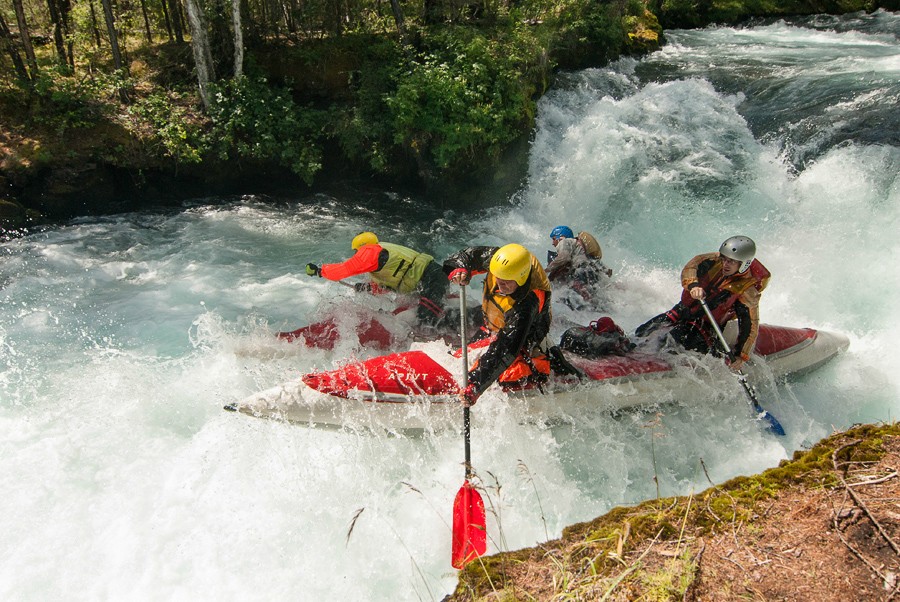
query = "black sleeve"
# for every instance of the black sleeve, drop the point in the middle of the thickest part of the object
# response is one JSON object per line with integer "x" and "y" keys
{"x": 383, "y": 258}
{"x": 745, "y": 325}
{"x": 473, "y": 259}
{"x": 510, "y": 340}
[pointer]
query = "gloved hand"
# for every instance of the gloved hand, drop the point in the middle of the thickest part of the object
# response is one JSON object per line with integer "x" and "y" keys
{"x": 460, "y": 276}
{"x": 313, "y": 270}
{"x": 469, "y": 396}
{"x": 362, "y": 287}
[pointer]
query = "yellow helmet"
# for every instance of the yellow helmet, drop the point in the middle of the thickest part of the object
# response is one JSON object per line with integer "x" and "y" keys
{"x": 363, "y": 238}
{"x": 512, "y": 262}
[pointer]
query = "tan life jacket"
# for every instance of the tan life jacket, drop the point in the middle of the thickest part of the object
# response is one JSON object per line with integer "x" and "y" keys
{"x": 495, "y": 307}
{"x": 403, "y": 270}
{"x": 590, "y": 245}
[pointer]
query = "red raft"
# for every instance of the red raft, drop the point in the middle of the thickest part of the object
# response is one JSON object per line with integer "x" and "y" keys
{"x": 418, "y": 388}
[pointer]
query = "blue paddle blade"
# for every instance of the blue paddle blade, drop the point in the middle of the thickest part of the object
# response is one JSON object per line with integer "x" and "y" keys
{"x": 761, "y": 414}
{"x": 774, "y": 425}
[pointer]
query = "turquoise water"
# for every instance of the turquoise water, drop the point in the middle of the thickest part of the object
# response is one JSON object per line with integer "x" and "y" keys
{"x": 121, "y": 338}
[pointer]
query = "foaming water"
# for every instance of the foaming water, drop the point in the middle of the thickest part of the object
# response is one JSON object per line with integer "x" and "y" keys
{"x": 121, "y": 338}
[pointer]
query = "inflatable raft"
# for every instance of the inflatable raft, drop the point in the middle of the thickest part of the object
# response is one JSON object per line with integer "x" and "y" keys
{"x": 418, "y": 389}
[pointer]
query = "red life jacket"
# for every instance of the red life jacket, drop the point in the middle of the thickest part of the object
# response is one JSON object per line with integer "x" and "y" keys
{"x": 723, "y": 291}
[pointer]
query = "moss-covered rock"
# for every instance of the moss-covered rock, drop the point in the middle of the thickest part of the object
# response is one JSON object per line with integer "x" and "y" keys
{"x": 644, "y": 34}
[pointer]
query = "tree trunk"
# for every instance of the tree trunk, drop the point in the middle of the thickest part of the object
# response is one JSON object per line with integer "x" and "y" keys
{"x": 65, "y": 14}
{"x": 165, "y": 11}
{"x": 334, "y": 17}
{"x": 398, "y": 18}
{"x": 290, "y": 10}
{"x": 10, "y": 48}
{"x": 25, "y": 37}
{"x": 94, "y": 28}
{"x": 177, "y": 22}
{"x": 200, "y": 47}
{"x": 146, "y": 22}
{"x": 238, "y": 39}
{"x": 114, "y": 45}
{"x": 61, "y": 54}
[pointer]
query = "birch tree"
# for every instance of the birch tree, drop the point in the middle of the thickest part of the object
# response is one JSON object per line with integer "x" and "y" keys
{"x": 238, "y": 39}
{"x": 200, "y": 47}
{"x": 114, "y": 45}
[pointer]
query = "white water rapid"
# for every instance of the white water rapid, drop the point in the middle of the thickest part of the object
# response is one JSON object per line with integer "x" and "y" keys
{"x": 121, "y": 338}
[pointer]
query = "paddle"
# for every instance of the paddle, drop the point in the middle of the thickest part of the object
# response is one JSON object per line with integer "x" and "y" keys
{"x": 469, "y": 528}
{"x": 774, "y": 425}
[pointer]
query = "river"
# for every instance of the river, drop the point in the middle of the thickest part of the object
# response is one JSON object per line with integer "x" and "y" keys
{"x": 122, "y": 337}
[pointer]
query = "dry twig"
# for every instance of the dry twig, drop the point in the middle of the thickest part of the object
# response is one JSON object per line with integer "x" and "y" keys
{"x": 858, "y": 500}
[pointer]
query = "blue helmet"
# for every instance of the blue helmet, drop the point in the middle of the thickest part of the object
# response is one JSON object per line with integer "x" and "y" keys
{"x": 562, "y": 232}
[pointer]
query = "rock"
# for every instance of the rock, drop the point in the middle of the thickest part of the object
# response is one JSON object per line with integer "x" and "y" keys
{"x": 12, "y": 215}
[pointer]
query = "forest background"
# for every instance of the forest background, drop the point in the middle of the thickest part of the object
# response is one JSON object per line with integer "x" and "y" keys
{"x": 115, "y": 105}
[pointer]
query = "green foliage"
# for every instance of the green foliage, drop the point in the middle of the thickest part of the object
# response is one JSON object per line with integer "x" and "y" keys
{"x": 253, "y": 120}
{"x": 451, "y": 102}
{"x": 167, "y": 122}
{"x": 590, "y": 33}
{"x": 466, "y": 95}
{"x": 362, "y": 128}
{"x": 64, "y": 103}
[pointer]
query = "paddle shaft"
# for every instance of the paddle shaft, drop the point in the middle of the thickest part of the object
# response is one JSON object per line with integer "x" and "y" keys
{"x": 469, "y": 528}
{"x": 715, "y": 326}
{"x": 463, "y": 328}
{"x": 742, "y": 378}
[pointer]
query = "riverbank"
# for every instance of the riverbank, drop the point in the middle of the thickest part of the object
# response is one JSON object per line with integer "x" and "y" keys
{"x": 823, "y": 526}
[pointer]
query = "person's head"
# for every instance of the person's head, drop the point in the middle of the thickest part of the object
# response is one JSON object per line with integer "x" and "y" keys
{"x": 363, "y": 238}
{"x": 560, "y": 232}
{"x": 511, "y": 266}
{"x": 737, "y": 254}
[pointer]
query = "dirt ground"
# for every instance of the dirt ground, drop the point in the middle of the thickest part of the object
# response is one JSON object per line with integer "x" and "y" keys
{"x": 832, "y": 543}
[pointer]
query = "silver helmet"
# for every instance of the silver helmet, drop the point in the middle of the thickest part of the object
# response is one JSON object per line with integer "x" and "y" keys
{"x": 739, "y": 248}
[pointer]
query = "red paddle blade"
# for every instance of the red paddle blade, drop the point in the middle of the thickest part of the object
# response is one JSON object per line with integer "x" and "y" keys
{"x": 469, "y": 530}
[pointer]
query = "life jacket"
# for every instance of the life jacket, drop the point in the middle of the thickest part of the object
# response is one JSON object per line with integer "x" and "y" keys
{"x": 590, "y": 245}
{"x": 530, "y": 364}
{"x": 496, "y": 306}
{"x": 534, "y": 368}
{"x": 722, "y": 292}
{"x": 403, "y": 269}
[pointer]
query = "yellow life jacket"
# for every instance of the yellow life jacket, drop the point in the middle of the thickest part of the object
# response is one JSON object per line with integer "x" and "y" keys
{"x": 403, "y": 270}
{"x": 496, "y": 306}
{"x": 590, "y": 245}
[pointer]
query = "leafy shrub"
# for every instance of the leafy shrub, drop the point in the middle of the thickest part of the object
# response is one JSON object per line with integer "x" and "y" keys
{"x": 180, "y": 140}
{"x": 590, "y": 33}
{"x": 261, "y": 122}
{"x": 467, "y": 95}
{"x": 65, "y": 103}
